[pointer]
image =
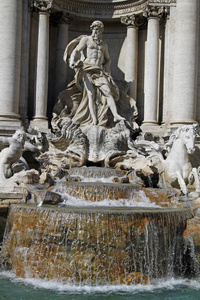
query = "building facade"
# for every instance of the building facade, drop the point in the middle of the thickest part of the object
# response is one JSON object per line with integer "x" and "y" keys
{"x": 153, "y": 45}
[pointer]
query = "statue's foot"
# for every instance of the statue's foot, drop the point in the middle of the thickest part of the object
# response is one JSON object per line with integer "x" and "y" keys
{"x": 118, "y": 118}
{"x": 94, "y": 121}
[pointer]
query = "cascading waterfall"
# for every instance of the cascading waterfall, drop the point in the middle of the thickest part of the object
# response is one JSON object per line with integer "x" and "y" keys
{"x": 97, "y": 245}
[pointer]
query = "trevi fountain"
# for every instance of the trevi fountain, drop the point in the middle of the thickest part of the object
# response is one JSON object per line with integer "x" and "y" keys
{"x": 100, "y": 191}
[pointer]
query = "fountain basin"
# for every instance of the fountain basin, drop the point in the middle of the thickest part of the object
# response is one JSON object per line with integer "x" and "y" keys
{"x": 96, "y": 245}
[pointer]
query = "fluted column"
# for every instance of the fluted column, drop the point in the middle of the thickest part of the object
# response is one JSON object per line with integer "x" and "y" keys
{"x": 185, "y": 63}
{"x": 61, "y": 67}
{"x": 42, "y": 68}
{"x": 10, "y": 59}
{"x": 131, "y": 53}
{"x": 153, "y": 15}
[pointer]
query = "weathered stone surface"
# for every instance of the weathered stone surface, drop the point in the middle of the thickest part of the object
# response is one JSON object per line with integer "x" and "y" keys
{"x": 96, "y": 172}
{"x": 135, "y": 278}
{"x": 79, "y": 245}
{"x": 42, "y": 196}
{"x": 46, "y": 178}
{"x": 124, "y": 180}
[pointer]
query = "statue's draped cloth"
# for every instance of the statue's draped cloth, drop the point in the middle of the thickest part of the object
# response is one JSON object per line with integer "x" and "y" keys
{"x": 73, "y": 101}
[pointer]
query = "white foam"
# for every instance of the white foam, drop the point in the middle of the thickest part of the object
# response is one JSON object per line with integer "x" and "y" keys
{"x": 72, "y": 201}
{"x": 130, "y": 202}
{"x": 161, "y": 284}
{"x": 90, "y": 179}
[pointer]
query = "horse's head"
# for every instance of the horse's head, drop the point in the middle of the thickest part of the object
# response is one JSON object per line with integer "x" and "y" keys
{"x": 188, "y": 136}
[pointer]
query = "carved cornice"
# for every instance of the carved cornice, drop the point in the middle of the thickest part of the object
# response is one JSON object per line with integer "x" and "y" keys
{"x": 152, "y": 11}
{"x": 43, "y": 6}
{"x": 105, "y": 9}
{"x": 132, "y": 20}
{"x": 163, "y": 2}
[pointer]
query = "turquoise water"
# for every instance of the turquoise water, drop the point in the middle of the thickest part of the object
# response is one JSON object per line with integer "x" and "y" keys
{"x": 14, "y": 288}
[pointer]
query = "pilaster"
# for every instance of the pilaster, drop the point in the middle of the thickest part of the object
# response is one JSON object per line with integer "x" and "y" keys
{"x": 132, "y": 23}
{"x": 62, "y": 41}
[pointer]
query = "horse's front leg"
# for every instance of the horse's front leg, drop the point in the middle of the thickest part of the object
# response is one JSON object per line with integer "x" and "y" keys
{"x": 194, "y": 178}
{"x": 181, "y": 182}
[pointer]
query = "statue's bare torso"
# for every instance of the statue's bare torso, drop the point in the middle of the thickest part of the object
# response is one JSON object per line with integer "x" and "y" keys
{"x": 96, "y": 54}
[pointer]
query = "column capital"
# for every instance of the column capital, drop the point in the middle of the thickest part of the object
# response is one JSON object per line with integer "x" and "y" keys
{"x": 132, "y": 20}
{"x": 61, "y": 18}
{"x": 43, "y": 6}
{"x": 30, "y": 6}
{"x": 152, "y": 11}
{"x": 66, "y": 18}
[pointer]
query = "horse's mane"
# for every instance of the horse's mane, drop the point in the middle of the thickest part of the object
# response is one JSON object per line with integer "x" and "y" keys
{"x": 177, "y": 133}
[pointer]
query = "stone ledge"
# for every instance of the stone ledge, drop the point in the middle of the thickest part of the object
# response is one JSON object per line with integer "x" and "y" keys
{"x": 11, "y": 195}
{"x": 6, "y": 199}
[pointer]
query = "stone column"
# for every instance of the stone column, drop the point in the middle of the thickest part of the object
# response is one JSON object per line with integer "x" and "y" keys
{"x": 42, "y": 67}
{"x": 61, "y": 67}
{"x": 10, "y": 59}
{"x": 153, "y": 15}
{"x": 185, "y": 63}
{"x": 168, "y": 64}
{"x": 131, "y": 53}
{"x": 24, "y": 79}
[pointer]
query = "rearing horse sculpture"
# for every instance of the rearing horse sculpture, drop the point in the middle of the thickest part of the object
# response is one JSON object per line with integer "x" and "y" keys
{"x": 177, "y": 167}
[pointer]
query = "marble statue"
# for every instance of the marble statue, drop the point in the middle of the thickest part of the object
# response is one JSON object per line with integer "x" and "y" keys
{"x": 11, "y": 154}
{"x": 13, "y": 149}
{"x": 177, "y": 165}
{"x": 93, "y": 88}
{"x": 94, "y": 117}
{"x": 172, "y": 159}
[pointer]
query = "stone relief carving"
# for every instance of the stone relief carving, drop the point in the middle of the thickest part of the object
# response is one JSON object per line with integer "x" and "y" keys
{"x": 67, "y": 145}
{"x": 108, "y": 9}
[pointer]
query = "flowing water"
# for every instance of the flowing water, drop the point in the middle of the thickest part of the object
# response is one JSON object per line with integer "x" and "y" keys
{"x": 121, "y": 251}
{"x": 97, "y": 246}
{"x": 15, "y": 288}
